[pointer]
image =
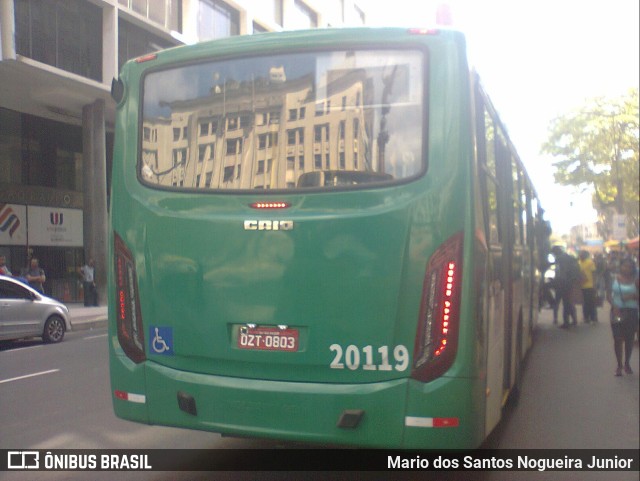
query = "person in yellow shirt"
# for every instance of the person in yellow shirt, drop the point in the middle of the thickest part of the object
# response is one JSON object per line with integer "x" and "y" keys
{"x": 588, "y": 269}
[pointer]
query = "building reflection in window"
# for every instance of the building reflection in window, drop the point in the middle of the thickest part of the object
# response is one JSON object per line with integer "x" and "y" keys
{"x": 244, "y": 124}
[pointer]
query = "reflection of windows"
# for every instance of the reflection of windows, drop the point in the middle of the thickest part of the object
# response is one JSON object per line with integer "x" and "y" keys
{"x": 197, "y": 111}
{"x": 490, "y": 178}
{"x": 295, "y": 136}
{"x": 267, "y": 140}
{"x": 234, "y": 146}
{"x": 150, "y": 157}
{"x": 321, "y": 132}
{"x": 228, "y": 174}
{"x": 179, "y": 156}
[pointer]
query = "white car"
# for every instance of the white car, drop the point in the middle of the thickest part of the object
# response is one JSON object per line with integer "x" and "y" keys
{"x": 24, "y": 312}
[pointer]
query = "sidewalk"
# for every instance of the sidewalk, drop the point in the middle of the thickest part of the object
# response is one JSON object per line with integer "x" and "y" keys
{"x": 570, "y": 398}
{"x": 84, "y": 318}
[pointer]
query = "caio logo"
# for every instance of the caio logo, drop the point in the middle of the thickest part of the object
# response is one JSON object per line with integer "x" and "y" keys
{"x": 56, "y": 218}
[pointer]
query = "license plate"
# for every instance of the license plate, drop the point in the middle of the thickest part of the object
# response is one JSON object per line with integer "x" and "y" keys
{"x": 268, "y": 339}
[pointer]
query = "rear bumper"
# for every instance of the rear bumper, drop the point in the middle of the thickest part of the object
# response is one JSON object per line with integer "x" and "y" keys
{"x": 395, "y": 413}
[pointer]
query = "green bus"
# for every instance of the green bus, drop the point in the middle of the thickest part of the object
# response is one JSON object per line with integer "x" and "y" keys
{"x": 323, "y": 236}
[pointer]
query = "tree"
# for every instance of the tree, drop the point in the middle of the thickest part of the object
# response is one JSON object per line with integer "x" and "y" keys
{"x": 596, "y": 148}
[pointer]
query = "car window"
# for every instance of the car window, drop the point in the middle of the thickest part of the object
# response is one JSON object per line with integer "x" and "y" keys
{"x": 9, "y": 290}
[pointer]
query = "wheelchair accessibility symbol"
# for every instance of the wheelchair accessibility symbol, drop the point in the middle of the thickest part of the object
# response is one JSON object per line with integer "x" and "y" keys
{"x": 161, "y": 340}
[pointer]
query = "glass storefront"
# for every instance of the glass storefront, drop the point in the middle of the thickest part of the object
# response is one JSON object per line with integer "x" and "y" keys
{"x": 41, "y": 200}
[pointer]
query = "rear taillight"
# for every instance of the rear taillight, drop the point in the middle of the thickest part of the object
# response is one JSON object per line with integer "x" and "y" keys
{"x": 438, "y": 324}
{"x": 128, "y": 316}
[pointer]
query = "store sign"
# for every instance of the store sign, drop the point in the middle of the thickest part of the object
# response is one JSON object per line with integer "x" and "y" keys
{"x": 13, "y": 224}
{"x": 55, "y": 226}
{"x": 619, "y": 227}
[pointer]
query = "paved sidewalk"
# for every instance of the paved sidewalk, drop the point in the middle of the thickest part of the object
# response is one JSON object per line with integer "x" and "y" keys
{"x": 83, "y": 318}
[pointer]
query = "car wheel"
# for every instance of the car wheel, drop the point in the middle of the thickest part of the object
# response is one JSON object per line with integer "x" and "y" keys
{"x": 53, "y": 329}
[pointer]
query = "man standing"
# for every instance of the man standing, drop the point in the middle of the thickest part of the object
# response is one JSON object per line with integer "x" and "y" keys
{"x": 567, "y": 279}
{"x": 35, "y": 276}
{"x": 4, "y": 270}
{"x": 588, "y": 268}
{"x": 87, "y": 272}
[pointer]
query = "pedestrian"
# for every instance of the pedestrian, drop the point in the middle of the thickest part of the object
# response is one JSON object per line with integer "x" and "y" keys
{"x": 35, "y": 275}
{"x": 623, "y": 297}
{"x": 87, "y": 272}
{"x": 600, "y": 279}
{"x": 4, "y": 270}
{"x": 589, "y": 305}
{"x": 566, "y": 282}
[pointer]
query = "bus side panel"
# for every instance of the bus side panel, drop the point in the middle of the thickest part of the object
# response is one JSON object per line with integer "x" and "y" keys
{"x": 449, "y": 398}
{"x": 127, "y": 377}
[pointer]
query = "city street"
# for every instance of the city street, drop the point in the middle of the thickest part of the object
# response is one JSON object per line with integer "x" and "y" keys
{"x": 57, "y": 397}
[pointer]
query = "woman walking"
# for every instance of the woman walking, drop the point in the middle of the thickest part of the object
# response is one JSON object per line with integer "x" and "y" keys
{"x": 623, "y": 297}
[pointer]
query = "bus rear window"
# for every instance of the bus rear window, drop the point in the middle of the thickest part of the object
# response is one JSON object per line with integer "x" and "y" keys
{"x": 288, "y": 122}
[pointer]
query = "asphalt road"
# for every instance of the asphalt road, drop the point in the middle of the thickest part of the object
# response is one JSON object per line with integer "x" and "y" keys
{"x": 57, "y": 397}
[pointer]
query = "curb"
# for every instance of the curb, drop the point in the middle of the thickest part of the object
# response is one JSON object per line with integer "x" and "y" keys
{"x": 88, "y": 324}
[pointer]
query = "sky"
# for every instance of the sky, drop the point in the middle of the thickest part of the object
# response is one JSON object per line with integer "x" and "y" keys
{"x": 538, "y": 60}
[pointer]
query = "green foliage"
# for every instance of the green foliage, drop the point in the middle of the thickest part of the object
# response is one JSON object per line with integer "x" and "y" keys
{"x": 596, "y": 148}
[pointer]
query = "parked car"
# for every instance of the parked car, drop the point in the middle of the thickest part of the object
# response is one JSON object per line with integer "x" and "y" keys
{"x": 24, "y": 312}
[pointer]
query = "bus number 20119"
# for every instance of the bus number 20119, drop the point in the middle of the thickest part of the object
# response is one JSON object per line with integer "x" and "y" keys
{"x": 356, "y": 358}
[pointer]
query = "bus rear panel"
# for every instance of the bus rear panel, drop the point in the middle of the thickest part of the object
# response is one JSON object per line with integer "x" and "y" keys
{"x": 295, "y": 248}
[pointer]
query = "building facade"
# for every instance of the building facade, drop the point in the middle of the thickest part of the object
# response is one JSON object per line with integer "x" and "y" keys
{"x": 57, "y": 60}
